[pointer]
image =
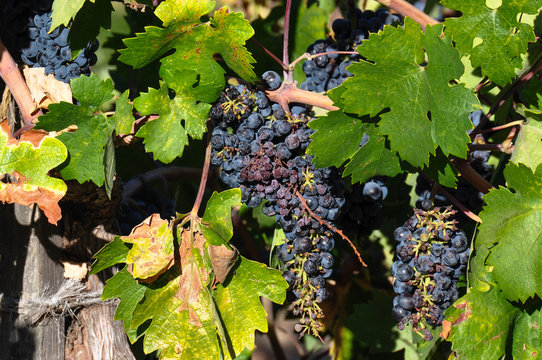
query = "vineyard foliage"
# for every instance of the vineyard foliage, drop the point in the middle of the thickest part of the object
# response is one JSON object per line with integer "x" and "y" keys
{"x": 186, "y": 292}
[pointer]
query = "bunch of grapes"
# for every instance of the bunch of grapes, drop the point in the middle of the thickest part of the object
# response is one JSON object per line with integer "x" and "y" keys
{"x": 25, "y": 29}
{"x": 326, "y": 72}
{"x": 261, "y": 149}
{"x": 465, "y": 193}
{"x": 432, "y": 255}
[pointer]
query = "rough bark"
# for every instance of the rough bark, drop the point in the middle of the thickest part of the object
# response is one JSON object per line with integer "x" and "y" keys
{"x": 27, "y": 270}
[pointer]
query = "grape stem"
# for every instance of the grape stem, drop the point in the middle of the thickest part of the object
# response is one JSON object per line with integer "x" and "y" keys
{"x": 331, "y": 227}
{"x": 497, "y": 128}
{"x": 127, "y": 139}
{"x": 203, "y": 181}
{"x": 310, "y": 57}
{"x": 481, "y": 84}
{"x": 506, "y": 147}
{"x": 405, "y": 9}
{"x": 471, "y": 175}
{"x": 288, "y": 93}
{"x": 273, "y": 56}
{"x": 9, "y": 72}
{"x": 288, "y": 74}
{"x": 460, "y": 206}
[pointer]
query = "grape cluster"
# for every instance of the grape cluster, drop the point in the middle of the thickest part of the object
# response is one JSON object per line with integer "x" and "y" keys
{"x": 326, "y": 72}
{"x": 465, "y": 193}
{"x": 32, "y": 43}
{"x": 432, "y": 255}
{"x": 261, "y": 149}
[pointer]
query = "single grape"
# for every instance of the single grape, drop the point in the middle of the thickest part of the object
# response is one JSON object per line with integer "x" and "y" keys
{"x": 404, "y": 272}
{"x": 272, "y": 79}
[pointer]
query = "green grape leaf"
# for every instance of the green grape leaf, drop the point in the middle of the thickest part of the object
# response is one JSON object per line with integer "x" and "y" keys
{"x": 493, "y": 37}
{"x": 528, "y": 144}
{"x": 64, "y": 11}
{"x": 165, "y": 136}
{"x": 123, "y": 285}
{"x": 191, "y": 71}
{"x": 26, "y": 162}
{"x": 365, "y": 162}
{"x": 191, "y": 321}
{"x": 441, "y": 170}
{"x": 113, "y": 253}
{"x": 419, "y": 107}
{"x": 527, "y": 342}
{"x": 240, "y": 299}
{"x": 85, "y": 145}
{"x": 531, "y": 94}
{"x": 152, "y": 250}
{"x": 481, "y": 322}
{"x": 123, "y": 118}
{"x": 216, "y": 222}
{"x": 195, "y": 42}
{"x": 513, "y": 221}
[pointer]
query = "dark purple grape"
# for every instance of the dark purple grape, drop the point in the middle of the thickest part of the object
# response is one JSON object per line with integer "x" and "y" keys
{"x": 464, "y": 257}
{"x": 406, "y": 301}
{"x": 326, "y": 244}
{"x": 401, "y": 233}
{"x": 289, "y": 277}
{"x": 424, "y": 264}
{"x": 400, "y": 287}
{"x": 460, "y": 242}
{"x": 318, "y": 281}
{"x": 302, "y": 244}
{"x": 272, "y": 79}
{"x": 326, "y": 260}
{"x": 321, "y": 294}
{"x": 450, "y": 258}
{"x": 442, "y": 280}
{"x": 404, "y": 272}
{"x": 399, "y": 313}
{"x": 310, "y": 267}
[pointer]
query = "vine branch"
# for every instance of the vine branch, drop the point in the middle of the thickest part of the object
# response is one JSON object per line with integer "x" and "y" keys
{"x": 288, "y": 93}
{"x": 437, "y": 188}
{"x": 9, "y": 72}
{"x": 203, "y": 182}
{"x": 460, "y": 206}
{"x": 405, "y": 9}
{"x": 471, "y": 175}
{"x": 500, "y": 127}
{"x": 273, "y": 56}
